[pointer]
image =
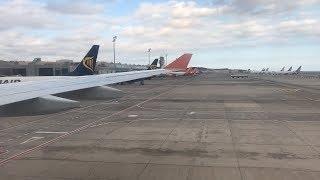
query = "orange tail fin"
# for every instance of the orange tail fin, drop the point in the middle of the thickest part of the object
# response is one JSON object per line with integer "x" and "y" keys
{"x": 180, "y": 63}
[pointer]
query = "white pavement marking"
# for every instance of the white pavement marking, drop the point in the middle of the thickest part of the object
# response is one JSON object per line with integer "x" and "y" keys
{"x": 132, "y": 115}
{"x": 101, "y": 124}
{"x": 310, "y": 99}
{"x": 113, "y": 102}
{"x": 31, "y": 139}
{"x": 190, "y": 113}
{"x": 50, "y": 132}
{"x": 44, "y": 144}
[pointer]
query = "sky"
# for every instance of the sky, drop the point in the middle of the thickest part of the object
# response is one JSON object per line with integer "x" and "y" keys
{"x": 248, "y": 34}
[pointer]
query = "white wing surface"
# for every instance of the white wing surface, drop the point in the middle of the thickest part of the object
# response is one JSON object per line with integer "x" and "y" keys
{"x": 17, "y": 92}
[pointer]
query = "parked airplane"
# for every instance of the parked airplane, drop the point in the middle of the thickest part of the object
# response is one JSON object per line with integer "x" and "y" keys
{"x": 192, "y": 71}
{"x": 85, "y": 67}
{"x": 294, "y": 72}
{"x": 263, "y": 71}
{"x": 289, "y": 72}
{"x": 256, "y": 71}
{"x": 153, "y": 65}
{"x": 179, "y": 66}
{"x": 88, "y": 63}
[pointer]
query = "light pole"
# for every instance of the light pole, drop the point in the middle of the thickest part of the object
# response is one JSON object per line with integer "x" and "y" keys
{"x": 166, "y": 59}
{"x": 114, "y": 52}
{"x": 149, "y": 52}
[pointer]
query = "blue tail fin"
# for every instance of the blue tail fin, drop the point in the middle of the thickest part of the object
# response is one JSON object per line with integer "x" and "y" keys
{"x": 88, "y": 63}
{"x": 153, "y": 65}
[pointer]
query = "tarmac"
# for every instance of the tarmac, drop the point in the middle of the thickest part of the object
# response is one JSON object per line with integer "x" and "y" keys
{"x": 177, "y": 128}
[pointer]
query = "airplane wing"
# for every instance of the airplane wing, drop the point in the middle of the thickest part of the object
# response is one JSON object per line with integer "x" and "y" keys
{"x": 17, "y": 92}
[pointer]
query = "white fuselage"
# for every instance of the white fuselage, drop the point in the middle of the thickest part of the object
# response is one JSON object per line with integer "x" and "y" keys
{"x": 178, "y": 73}
{"x": 15, "y": 79}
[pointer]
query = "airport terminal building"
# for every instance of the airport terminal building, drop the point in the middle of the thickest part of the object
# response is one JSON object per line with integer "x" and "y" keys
{"x": 58, "y": 68}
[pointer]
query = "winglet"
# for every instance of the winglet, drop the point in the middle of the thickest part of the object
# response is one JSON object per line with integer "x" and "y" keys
{"x": 180, "y": 63}
{"x": 88, "y": 63}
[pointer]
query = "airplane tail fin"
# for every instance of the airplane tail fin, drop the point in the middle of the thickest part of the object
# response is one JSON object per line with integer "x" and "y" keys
{"x": 88, "y": 63}
{"x": 290, "y": 69}
{"x": 180, "y": 63}
{"x": 299, "y": 69}
{"x": 283, "y": 68}
{"x": 153, "y": 65}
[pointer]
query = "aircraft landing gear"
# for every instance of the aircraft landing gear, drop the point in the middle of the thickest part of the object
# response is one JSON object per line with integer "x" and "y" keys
{"x": 141, "y": 82}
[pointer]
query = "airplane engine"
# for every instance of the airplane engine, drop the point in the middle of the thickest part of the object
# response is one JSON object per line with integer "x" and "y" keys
{"x": 40, "y": 105}
{"x": 95, "y": 93}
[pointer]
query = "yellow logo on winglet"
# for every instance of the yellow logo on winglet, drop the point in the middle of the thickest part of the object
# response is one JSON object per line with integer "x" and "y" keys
{"x": 88, "y": 63}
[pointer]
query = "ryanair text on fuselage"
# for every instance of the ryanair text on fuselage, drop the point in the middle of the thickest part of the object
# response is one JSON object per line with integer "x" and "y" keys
{"x": 6, "y": 81}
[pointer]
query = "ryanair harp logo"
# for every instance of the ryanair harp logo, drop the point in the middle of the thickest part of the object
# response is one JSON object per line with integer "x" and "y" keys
{"x": 88, "y": 63}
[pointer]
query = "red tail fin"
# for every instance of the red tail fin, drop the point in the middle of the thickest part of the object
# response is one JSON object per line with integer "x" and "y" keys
{"x": 180, "y": 63}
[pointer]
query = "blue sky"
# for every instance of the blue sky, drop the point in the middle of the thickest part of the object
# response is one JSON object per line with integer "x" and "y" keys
{"x": 220, "y": 33}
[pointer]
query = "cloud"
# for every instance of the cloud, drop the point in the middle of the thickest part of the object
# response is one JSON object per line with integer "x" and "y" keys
{"x": 26, "y": 14}
{"x": 80, "y": 7}
{"x": 309, "y": 27}
{"x": 271, "y": 7}
{"x": 65, "y": 28}
{"x": 189, "y": 20}
{"x": 191, "y": 9}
